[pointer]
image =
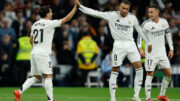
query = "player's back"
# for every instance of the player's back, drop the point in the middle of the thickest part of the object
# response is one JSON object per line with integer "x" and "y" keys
{"x": 42, "y": 32}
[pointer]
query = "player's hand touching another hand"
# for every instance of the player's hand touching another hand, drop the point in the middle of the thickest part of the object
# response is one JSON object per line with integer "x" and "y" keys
{"x": 149, "y": 48}
{"x": 171, "y": 54}
{"x": 142, "y": 53}
{"x": 77, "y": 3}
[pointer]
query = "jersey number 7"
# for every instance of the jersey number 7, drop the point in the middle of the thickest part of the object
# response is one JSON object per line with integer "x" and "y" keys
{"x": 36, "y": 32}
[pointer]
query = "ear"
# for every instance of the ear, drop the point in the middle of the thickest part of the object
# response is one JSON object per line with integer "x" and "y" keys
{"x": 158, "y": 12}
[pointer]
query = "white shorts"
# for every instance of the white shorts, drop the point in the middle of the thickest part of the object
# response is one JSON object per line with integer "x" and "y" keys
{"x": 151, "y": 63}
{"x": 119, "y": 53}
{"x": 40, "y": 64}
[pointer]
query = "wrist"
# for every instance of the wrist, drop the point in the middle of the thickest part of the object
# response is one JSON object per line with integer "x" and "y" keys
{"x": 149, "y": 44}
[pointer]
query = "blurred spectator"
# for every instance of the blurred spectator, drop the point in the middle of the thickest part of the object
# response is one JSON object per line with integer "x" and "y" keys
{"x": 7, "y": 30}
{"x": 27, "y": 27}
{"x": 9, "y": 12}
{"x": 74, "y": 29}
{"x": 28, "y": 8}
{"x": 81, "y": 19}
{"x": 103, "y": 42}
{"x": 84, "y": 29}
{"x": 23, "y": 58}
{"x": 36, "y": 9}
{"x": 176, "y": 77}
{"x": 87, "y": 51}
{"x": 67, "y": 35}
{"x": 18, "y": 23}
{"x": 7, "y": 72}
{"x": 58, "y": 9}
{"x": 111, "y": 5}
{"x": 66, "y": 54}
{"x": 173, "y": 27}
{"x": 177, "y": 48}
{"x": 2, "y": 15}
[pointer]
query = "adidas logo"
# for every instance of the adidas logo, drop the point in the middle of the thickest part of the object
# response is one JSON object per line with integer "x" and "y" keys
{"x": 152, "y": 28}
{"x": 117, "y": 20}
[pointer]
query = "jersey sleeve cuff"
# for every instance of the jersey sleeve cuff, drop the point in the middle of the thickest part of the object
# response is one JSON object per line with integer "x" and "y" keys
{"x": 81, "y": 6}
{"x": 139, "y": 46}
{"x": 171, "y": 48}
{"x": 149, "y": 43}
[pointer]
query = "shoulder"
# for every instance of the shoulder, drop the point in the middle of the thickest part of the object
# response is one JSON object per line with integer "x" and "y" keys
{"x": 130, "y": 15}
{"x": 163, "y": 20}
{"x": 112, "y": 12}
{"x": 146, "y": 22}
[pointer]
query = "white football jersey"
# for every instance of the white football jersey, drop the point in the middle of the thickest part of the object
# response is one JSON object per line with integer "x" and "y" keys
{"x": 42, "y": 32}
{"x": 121, "y": 28}
{"x": 156, "y": 33}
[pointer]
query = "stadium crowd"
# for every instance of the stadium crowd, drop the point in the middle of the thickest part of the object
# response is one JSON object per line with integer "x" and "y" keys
{"x": 70, "y": 40}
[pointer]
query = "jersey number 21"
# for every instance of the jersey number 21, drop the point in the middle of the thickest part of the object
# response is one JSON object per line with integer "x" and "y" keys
{"x": 36, "y": 33}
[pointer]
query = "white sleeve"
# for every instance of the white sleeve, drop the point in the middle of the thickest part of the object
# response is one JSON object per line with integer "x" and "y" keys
{"x": 169, "y": 36}
{"x": 31, "y": 33}
{"x": 139, "y": 41}
{"x": 95, "y": 13}
{"x": 140, "y": 31}
{"x": 56, "y": 23}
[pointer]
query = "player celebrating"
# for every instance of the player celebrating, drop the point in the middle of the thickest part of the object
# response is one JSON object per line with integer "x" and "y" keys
{"x": 156, "y": 28}
{"x": 121, "y": 24}
{"x": 41, "y": 37}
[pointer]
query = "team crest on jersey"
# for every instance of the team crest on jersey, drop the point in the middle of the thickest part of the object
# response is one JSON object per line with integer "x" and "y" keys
{"x": 163, "y": 25}
{"x": 152, "y": 28}
{"x": 117, "y": 20}
{"x": 129, "y": 22}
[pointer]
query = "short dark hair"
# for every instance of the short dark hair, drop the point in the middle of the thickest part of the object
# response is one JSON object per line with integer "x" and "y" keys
{"x": 44, "y": 11}
{"x": 126, "y": 2}
{"x": 154, "y": 6}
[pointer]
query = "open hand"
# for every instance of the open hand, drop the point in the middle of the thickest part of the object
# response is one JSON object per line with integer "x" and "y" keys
{"x": 142, "y": 53}
{"x": 77, "y": 3}
{"x": 149, "y": 48}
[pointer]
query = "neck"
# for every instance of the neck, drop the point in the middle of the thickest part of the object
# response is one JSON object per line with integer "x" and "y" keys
{"x": 156, "y": 19}
{"x": 123, "y": 15}
{"x": 46, "y": 18}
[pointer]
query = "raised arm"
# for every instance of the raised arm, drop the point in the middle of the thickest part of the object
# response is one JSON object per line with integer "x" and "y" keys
{"x": 69, "y": 16}
{"x": 95, "y": 13}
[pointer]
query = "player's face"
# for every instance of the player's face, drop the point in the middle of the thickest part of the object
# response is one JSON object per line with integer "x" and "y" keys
{"x": 153, "y": 13}
{"x": 124, "y": 9}
{"x": 50, "y": 14}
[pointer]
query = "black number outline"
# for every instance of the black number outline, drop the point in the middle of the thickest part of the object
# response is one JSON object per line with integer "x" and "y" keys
{"x": 150, "y": 62}
{"x": 115, "y": 57}
{"x": 36, "y": 32}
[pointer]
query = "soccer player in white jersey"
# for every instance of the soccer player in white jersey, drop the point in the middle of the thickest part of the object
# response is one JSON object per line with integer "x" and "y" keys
{"x": 41, "y": 38}
{"x": 156, "y": 29}
{"x": 121, "y": 24}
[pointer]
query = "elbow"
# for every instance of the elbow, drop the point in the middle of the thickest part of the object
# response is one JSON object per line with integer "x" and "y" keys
{"x": 64, "y": 20}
